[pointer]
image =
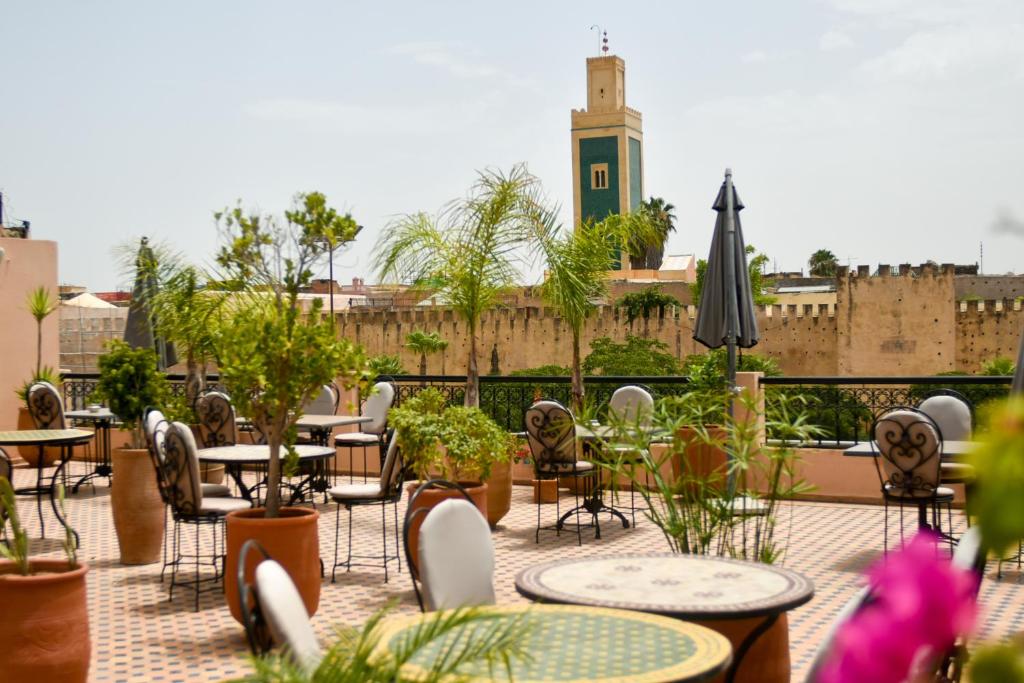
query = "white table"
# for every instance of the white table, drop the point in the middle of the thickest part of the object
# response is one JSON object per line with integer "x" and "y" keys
{"x": 235, "y": 457}
{"x": 102, "y": 419}
{"x": 320, "y": 426}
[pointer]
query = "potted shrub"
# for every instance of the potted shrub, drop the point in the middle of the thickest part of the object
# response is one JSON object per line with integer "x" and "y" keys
{"x": 40, "y": 305}
{"x": 274, "y": 358}
{"x": 129, "y": 383}
{"x": 448, "y": 442}
{"x": 45, "y": 624}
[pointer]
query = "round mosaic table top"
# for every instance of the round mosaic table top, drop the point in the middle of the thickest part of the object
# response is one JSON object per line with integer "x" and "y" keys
{"x": 44, "y": 437}
{"x": 683, "y": 586}
{"x": 248, "y": 454}
{"x": 576, "y": 644}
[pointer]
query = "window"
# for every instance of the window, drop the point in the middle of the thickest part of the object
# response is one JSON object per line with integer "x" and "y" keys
{"x": 599, "y": 176}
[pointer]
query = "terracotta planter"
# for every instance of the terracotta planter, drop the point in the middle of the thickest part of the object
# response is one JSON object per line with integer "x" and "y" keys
{"x": 30, "y": 454}
{"x": 433, "y": 497}
{"x": 702, "y": 460}
{"x": 545, "y": 490}
{"x": 499, "y": 492}
{"x": 292, "y": 539}
{"x": 211, "y": 474}
{"x": 137, "y": 507}
{"x": 45, "y": 624}
{"x": 767, "y": 661}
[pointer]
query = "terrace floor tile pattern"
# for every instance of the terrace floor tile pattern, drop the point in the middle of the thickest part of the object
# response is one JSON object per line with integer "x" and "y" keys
{"x": 138, "y": 635}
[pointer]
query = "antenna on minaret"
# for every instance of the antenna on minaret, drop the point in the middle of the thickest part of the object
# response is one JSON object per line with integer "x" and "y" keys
{"x": 602, "y": 39}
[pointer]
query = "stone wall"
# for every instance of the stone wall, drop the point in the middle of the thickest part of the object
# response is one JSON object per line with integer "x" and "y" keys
{"x": 987, "y": 329}
{"x": 986, "y": 287}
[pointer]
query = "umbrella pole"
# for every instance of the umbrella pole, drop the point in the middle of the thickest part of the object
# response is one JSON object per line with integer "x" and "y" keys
{"x": 731, "y": 310}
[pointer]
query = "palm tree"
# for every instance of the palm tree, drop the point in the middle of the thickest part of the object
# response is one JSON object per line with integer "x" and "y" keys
{"x": 577, "y": 263}
{"x": 423, "y": 343}
{"x": 40, "y": 305}
{"x": 641, "y": 304}
{"x": 468, "y": 253}
{"x": 651, "y": 254}
{"x": 823, "y": 262}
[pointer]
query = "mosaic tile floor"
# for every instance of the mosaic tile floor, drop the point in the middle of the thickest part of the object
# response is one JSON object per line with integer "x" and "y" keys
{"x": 138, "y": 635}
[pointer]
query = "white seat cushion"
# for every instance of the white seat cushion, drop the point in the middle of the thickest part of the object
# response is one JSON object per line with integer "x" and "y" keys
{"x": 355, "y": 492}
{"x": 357, "y": 438}
{"x": 286, "y": 615}
{"x": 456, "y": 556}
{"x": 940, "y": 492}
{"x": 224, "y": 505}
{"x": 215, "y": 491}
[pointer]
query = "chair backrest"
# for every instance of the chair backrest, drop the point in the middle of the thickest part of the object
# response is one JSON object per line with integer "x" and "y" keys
{"x": 391, "y": 470}
{"x": 951, "y": 414}
{"x": 45, "y": 406}
{"x": 273, "y": 611}
{"x": 632, "y": 405}
{"x": 180, "y": 470}
{"x": 970, "y": 554}
{"x": 377, "y": 406}
{"x": 6, "y": 471}
{"x": 910, "y": 448}
{"x": 415, "y": 513}
{"x": 456, "y": 557}
{"x": 323, "y": 403}
{"x": 216, "y": 420}
{"x": 155, "y": 426}
{"x": 825, "y": 648}
{"x": 551, "y": 434}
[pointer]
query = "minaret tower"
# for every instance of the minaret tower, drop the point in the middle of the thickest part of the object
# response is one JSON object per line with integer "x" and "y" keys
{"x": 607, "y": 144}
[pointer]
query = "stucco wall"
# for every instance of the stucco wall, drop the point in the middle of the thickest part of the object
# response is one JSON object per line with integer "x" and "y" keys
{"x": 985, "y": 330}
{"x": 26, "y": 264}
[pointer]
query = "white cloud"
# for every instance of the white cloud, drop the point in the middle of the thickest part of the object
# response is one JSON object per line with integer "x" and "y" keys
{"x": 444, "y": 56}
{"x": 834, "y": 40}
{"x": 754, "y": 57}
{"x": 946, "y": 51}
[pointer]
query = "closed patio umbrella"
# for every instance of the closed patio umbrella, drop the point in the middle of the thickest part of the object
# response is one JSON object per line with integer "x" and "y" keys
{"x": 138, "y": 329}
{"x": 1018, "y": 376}
{"x": 725, "y": 316}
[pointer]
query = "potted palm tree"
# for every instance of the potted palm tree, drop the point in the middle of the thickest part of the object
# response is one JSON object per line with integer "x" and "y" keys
{"x": 467, "y": 255}
{"x": 273, "y": 359}
{"x": 130, "y": 382}
{"x": 45, "y": 627}
{"x": 40, "y": 305}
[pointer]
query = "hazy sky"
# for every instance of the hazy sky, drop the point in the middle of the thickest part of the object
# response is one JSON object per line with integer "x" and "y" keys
{"x": 885, "y": 130}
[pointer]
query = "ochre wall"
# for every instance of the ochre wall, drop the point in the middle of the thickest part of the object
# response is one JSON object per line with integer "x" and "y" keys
{"x": 26, "y": 264}
{"x": 985, "y": 330}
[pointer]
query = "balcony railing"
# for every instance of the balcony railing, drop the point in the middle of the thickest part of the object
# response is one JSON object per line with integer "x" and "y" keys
{"x": 843, "y": 407}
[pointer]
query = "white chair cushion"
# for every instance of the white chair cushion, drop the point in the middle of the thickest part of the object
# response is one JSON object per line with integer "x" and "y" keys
{"x": 940, "y": 492}
{"x": 355, "y": 492}
{"x": 224, "y": 505}
{"x": 286, "y": 615}
{"x": 356, "y": 438}
{"x": 377, "y": 406}
{"x": 456, "y": 556}
{"x": 321, "y": 404}
{"x": 967, "y": 549}
{"x": 215, "y": 491}
{"x": 952, "y": 415}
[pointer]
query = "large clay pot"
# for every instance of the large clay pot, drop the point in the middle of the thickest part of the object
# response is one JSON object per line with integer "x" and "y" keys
{"x": 292, "y": 539}
{"x": 703, "y": 460}
{"x": 499, "y": 492}
{"x": 30, "y": 454}
{"x": 45, "y": 624}
{"x": 211, "y": 474}
{"x": 767, "y": 661}
{"x": 432, "y": 498}
{"x": 137, "y": 507}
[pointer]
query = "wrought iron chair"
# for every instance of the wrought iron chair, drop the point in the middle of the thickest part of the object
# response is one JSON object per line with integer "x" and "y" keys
{"x": 46, "y": 408}
{"x": 376, "y": 406}
{"x": 7, "y": 472}
{"x": 456, "y": 557}
{"x": 970, "y": 555}
{"x": 951, "y": 411}
{"x": 177, "y": 467}
{"x": 631, "y": 408}
{"x": 908, "y": 449}
{"x": 387, "y": 490}
{"x": 273, "y": 611}
{"x": 551, "y": 435}
{"x": 324, "y": 403}
{"x": 413, "y": 513}
{"x": 216, "y": 417}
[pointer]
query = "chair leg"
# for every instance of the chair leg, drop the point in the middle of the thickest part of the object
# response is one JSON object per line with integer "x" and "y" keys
{"x": 384, "y": 537}
{"x": 398, "y": 547}
{"x": 197, "y": 568}
{"x": 176, "y": 546}
{"x": 885, "y": 546}
{"x": 576, "y": 493}
{"x": 337, "y": 524}
{"x": 536, "y": 535}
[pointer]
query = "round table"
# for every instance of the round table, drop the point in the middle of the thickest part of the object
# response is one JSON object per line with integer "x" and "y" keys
{"x": 742, "y": 600}
{"x": 235, "y": 457}
{"x": 67, "y": 439}
{"x": 103, "y": 419}
{"x": 578, "y": 644}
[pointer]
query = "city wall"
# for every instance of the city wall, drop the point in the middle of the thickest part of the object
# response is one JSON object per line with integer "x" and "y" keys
{"x": 901, "y": 321}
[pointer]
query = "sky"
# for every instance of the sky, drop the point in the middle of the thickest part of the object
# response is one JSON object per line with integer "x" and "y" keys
{"x": 887, "y": 131}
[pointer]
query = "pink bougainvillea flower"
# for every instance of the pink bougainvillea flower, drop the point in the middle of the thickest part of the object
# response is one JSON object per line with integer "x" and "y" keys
{"x": 920, "y": 604}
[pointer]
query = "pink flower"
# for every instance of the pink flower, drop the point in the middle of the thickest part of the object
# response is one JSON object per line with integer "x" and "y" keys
{"x": 920, "y": 604}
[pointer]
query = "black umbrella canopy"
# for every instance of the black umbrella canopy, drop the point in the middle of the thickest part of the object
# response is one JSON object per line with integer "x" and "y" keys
{"x": 138, "y": 329}
{"x": 1018, "y": 376}
{"x": 725, "y": 316}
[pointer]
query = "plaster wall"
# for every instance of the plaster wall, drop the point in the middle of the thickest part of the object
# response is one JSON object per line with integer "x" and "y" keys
{"x": 986, "y": 330}
{"x": 26, "y": 264}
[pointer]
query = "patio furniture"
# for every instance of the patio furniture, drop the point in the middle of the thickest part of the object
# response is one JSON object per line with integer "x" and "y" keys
{"x": 216, "y": 418}
{"x": 577, "y": 644}
{"x": 46, "y": 408}
{"x": 909, "y": 444}
{"x": 324, "y": 403}
{"x": 101, "y": 420}
{"x": 7, "y": 472}
{"x": 386, "y": 491}
{"x": 631, "y": 407}
{"x": 180, "y": 488}
{"x": 375, "y": 407}
{"x": 65, "y": 439}
{"x": 312, "y": 461}
{"x": 456, "y": 557}
{"x": 951, "y": 412}
{"x": 744, "y": 601}
{"x": 821, "y": 656}
{"x": 273, "y": 612}
{"x": 414, "y": 512}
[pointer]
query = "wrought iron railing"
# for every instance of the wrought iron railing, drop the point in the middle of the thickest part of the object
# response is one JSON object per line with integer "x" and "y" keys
{"x": 79, "y": 387}
{"x": 845, "y": 407}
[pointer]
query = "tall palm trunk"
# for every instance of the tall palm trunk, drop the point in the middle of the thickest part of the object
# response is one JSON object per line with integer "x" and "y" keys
{"x": 577, "y": 374}
{"x": 472, "y": 373}
{"x": 195, "y": 381}
{"x": 423, "y": 363}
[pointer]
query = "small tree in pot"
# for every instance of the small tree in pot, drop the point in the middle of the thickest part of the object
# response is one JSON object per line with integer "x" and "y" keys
{"x": 274, "y": 358}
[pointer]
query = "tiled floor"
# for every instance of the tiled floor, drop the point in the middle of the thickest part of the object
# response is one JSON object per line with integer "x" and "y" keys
{"x": 137, "y": 635}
